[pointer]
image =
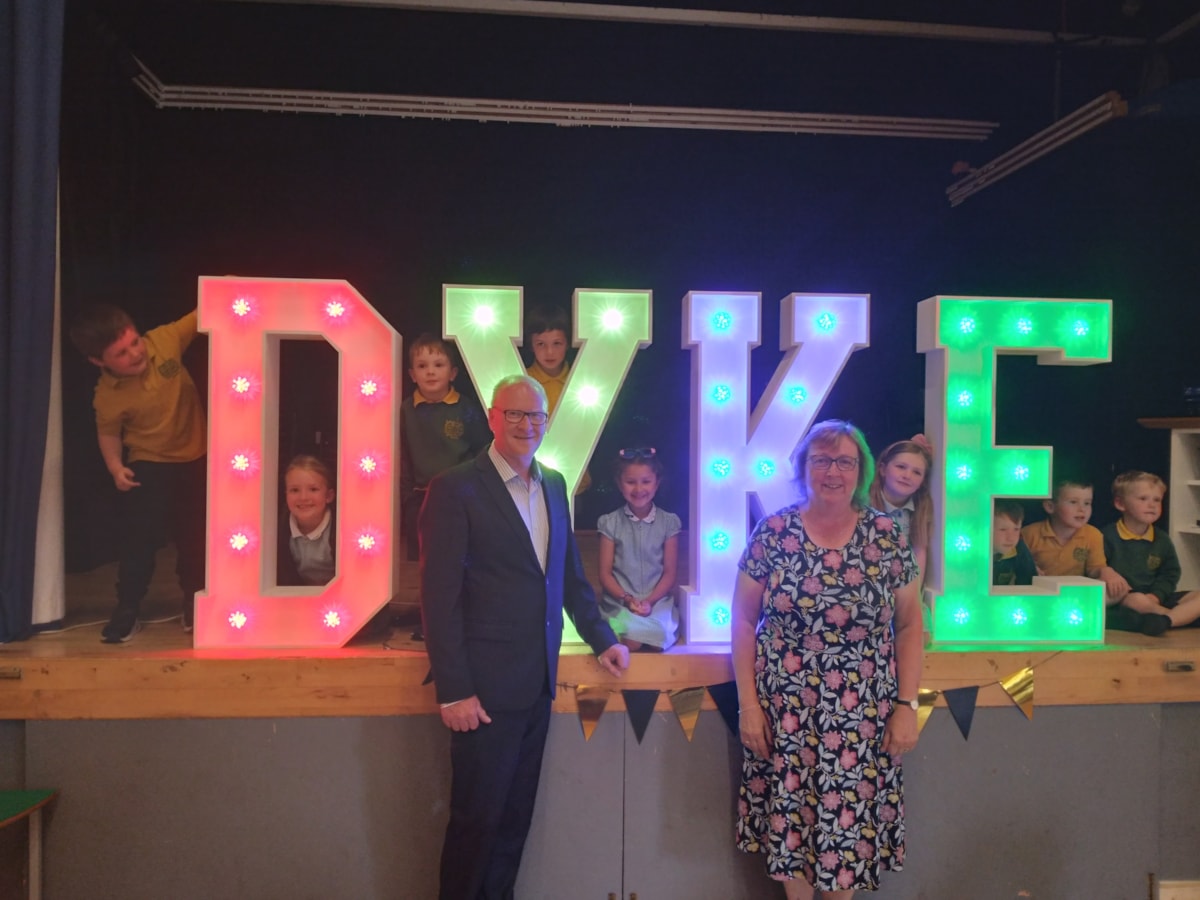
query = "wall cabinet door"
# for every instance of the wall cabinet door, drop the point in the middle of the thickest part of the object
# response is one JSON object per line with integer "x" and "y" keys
{"x": 654, "y": 820}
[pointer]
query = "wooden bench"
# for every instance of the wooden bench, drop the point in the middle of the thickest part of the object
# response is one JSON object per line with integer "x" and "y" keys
{"x": 18, "y": 805}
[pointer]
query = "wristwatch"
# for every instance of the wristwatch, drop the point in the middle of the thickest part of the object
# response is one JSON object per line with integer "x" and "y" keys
{"x": 915, "y": 704}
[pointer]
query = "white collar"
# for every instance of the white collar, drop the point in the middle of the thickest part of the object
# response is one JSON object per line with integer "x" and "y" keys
{"x": 889, "y": 507}
{"x": 315, "y": 534}
{"x": 507, "y": 472}
{"x": 649, "y": 516}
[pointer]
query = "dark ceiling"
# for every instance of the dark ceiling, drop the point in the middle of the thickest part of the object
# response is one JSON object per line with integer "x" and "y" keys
{"x": 1023, "y": 84}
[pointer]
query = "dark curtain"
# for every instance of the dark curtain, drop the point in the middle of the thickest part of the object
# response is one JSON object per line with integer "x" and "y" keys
{"x": 31, "y": 43}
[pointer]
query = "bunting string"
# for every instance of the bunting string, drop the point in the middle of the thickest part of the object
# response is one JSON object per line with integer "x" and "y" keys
{"x": 591, "y": 701}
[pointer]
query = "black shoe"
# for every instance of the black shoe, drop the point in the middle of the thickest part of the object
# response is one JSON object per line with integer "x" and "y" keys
{"x": 1154, "y": 624}
{"x": 123, "y": 625}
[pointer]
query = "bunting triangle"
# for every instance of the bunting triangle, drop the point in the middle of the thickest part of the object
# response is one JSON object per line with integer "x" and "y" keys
{"x": 591, "y": 701}
{"x": 926, "y": 699}
{"x": 962, "y": 706}
{"x": 686, "y": 703}
{"x": 726, "y": 697}
{"x": 1019, "y": 687}
{"x": 640, "y": 705}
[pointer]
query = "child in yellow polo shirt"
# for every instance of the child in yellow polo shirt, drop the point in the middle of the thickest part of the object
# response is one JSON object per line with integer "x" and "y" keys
{"x": 546, "y": 329}
{"x": 1065, "y": 544}
{"x": 152, "y": 434}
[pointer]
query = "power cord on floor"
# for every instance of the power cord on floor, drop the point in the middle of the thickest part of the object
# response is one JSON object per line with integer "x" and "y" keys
{"x": 102, "y": 622}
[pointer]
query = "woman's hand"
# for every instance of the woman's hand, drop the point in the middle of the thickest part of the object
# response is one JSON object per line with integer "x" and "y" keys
{"x": 755, "y": 732}
{"x": 900, "y": 733}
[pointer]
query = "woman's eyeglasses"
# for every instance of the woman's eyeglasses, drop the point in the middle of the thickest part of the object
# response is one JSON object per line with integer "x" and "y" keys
{"x": 844, "y": 463}
{"x": 514, "y": 416}
{"x": 637, "y": 453}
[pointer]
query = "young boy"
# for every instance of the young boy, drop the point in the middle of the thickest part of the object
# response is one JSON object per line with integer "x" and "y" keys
{"x": 1145, "y": 557}
{"x": 1065, "y": 544}
{"x": 546, "y": 328}
{"x": 1013, "y": 563}
{"x": 439, "y": 428}
{"x": 152, "y": 435}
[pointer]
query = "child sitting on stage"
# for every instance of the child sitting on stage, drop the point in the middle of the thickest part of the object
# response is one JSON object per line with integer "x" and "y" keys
{"x": 1146, "y": 558}
{"x": 1065, "y": 544}
{"x": 307, "y": 551}
{"x": 307, "y": 547}
{"x": 639, "y": 551}
{"x": 152, "y": 434}
{"x": 1012, "y": 561}
{"x": 439, "y": 428}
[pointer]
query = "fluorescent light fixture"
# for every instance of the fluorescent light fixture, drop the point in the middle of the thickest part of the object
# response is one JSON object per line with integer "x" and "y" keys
{"x": 1105, "y": 107}
{"x": 615, "y": 115}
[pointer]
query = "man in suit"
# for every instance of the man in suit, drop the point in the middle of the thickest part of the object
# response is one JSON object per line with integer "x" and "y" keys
{"x": 499, "y": 565}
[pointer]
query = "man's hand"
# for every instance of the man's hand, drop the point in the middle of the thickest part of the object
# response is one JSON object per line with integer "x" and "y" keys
{"x": 614, "y": 660}
{"x": 123, "y": 479}
{"x": 465, "y": 715}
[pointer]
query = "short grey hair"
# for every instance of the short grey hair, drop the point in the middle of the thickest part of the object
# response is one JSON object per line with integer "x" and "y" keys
{"x": 509, "y": 380}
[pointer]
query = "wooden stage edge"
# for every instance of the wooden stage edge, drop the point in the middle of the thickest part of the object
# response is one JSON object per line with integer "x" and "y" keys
{"x": 158, "y": 675}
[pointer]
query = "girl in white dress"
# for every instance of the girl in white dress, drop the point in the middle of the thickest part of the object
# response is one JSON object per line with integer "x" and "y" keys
{"x": 639, "y": 552}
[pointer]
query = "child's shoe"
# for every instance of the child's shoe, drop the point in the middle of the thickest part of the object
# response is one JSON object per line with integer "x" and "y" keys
{"x": 123, "y": 625}
{"x": 1154, "y": 624}
{"x": 188, "y": 617}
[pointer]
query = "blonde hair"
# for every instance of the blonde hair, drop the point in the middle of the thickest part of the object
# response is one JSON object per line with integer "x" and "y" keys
{"x": 312, "y": 464}
{"x": 1124, "y": 482}
{"x": 922, "y": 498}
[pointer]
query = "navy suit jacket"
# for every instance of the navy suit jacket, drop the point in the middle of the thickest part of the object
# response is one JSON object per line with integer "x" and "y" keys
{"x": 492, "y": 618}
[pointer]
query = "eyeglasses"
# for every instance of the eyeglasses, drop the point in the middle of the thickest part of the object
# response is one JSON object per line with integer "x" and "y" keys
{"x": 637, "y": 453}
{"x": 514, "y": 416}
{"x": 844, "y": 463}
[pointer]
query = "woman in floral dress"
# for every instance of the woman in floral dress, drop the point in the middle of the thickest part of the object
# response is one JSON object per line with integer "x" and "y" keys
{"x": 827, "y": 647}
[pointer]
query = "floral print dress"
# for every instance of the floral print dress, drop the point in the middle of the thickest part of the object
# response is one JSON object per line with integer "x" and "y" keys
{"x": 828, "y": 806}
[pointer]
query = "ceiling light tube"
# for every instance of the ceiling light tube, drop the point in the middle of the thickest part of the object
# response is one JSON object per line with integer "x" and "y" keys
{"x": 1077, "y": 123}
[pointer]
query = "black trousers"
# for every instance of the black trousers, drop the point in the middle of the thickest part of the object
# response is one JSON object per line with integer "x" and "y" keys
{"x": 492, "y": 793}
{"x": 410, "y": 510}
{"x": 170, "y": 502}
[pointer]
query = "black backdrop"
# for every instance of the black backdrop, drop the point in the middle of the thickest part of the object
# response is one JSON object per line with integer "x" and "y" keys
{"x": 154, "y": 198}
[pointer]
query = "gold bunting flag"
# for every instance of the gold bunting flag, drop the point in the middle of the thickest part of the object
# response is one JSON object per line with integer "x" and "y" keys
{"x": 1019, "y": 687}
{"x": 686, "y": 703}
{"x": 926, "y": 698}
{"x": 591, "y": 701}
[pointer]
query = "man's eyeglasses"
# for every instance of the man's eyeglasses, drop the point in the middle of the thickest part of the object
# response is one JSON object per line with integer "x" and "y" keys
{"x": 844, "y": 463}
{"x": 514, "y": 416}
{"x": 637, "y": 453}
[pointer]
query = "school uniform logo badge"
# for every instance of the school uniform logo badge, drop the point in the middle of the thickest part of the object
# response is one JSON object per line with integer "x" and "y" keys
{"x": 453, "y": 429}
{"x": 169, "y": 368}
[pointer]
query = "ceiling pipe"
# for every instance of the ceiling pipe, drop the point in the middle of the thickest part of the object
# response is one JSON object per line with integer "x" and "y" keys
{"x": 1087, "y": 117}
{"x": 561, "y": 114}
{"x": 654, "y": 15}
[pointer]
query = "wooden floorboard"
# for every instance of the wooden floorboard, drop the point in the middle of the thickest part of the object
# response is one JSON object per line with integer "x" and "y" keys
{"x": 71, "y": 675}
